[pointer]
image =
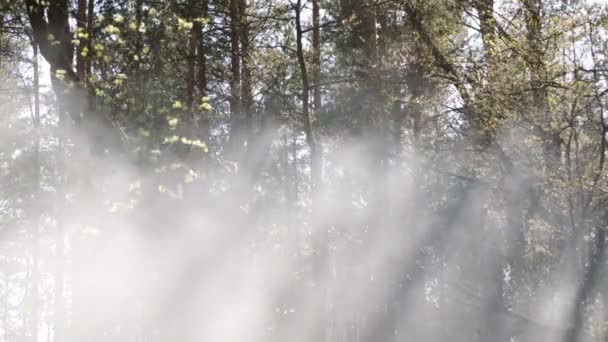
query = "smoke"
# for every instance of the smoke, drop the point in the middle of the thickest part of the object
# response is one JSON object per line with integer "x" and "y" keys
{"x": 164, "y": 247}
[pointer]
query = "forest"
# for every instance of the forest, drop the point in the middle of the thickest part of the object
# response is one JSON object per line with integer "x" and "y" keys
{"x": 303, "y": 170}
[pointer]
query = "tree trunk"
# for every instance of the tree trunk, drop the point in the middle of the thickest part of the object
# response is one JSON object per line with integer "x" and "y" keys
{"x": 52, "y": 21}
{"x": 246, "y": 91}
{"x": 319, "y": 330}
{"x": 194, "y": 37}
{"x": 321, "y": 238}
{"x": 202, "y": 52}
{"x": 90, "y": 21}
{"x": 305, "y": 98}
{"x": 1, "y": 34}
{"x": 35, "y": 281}
{"x": 535, "y": 56}
{"x": 204, "y": 120}
{"x": 316, "y": 58}
{"x": 235, "y": 142}
{"x": 487, "y": 24}
{"x": 81, "y": 24}
{"x": 59, "y": 329}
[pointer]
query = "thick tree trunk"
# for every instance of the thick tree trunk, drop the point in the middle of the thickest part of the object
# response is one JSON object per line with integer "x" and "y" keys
{"x": 57, "y": 51}
{"x": 52, "y": 21}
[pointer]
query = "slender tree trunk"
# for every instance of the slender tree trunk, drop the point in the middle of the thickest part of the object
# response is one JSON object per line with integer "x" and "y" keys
{"x": 315, "y": 167}
{"x": 535, "y": 56}
{"x": 235, "y": 142}
{"x": 377, "y": 120}
{"x": 60, "y": 325}
{"x": 1, "y": 33}
{"x": 89, "y": 29}
{"x": 316, "y": 57}
{"x": 202, "y": 52}
{"x": 487, "y": 23}
{"x": 533, "y": 20}
{"x": 246, "y": 91}
{"x": 201, "y": 81}
{"x": 59, "y": 299}
{"x": 35, "y": 281}
{"x": 81, "y": 24}
{"x": 321, "y": 238}
{"x": 489, "y": 112}
{"x": 194, "y": 37}
{"x": 592, "y": 274}
{"x": 305, "y": 98}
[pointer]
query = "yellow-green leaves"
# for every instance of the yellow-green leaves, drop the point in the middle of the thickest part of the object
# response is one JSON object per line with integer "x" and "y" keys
{"x": 171, "y": 139}
{"x": 184, "y": 25}
{"x": 119, "y": 80}
{"x": 186, "y": 141}
{"x": 111, "y": 29}
{"x": 203, "y": 20}
{"x": 133, "y": 26}
{"x": 172, "y": 121}
{"x": 81, "y": 33}
{"x": 98, "y": 50}
{"x": 60, "y": 74}
{"x": 119, "y": 19}
{"x": 205, "y": 106}
{"x": 177, "y": 105}
{"x": 194, "y": 143}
